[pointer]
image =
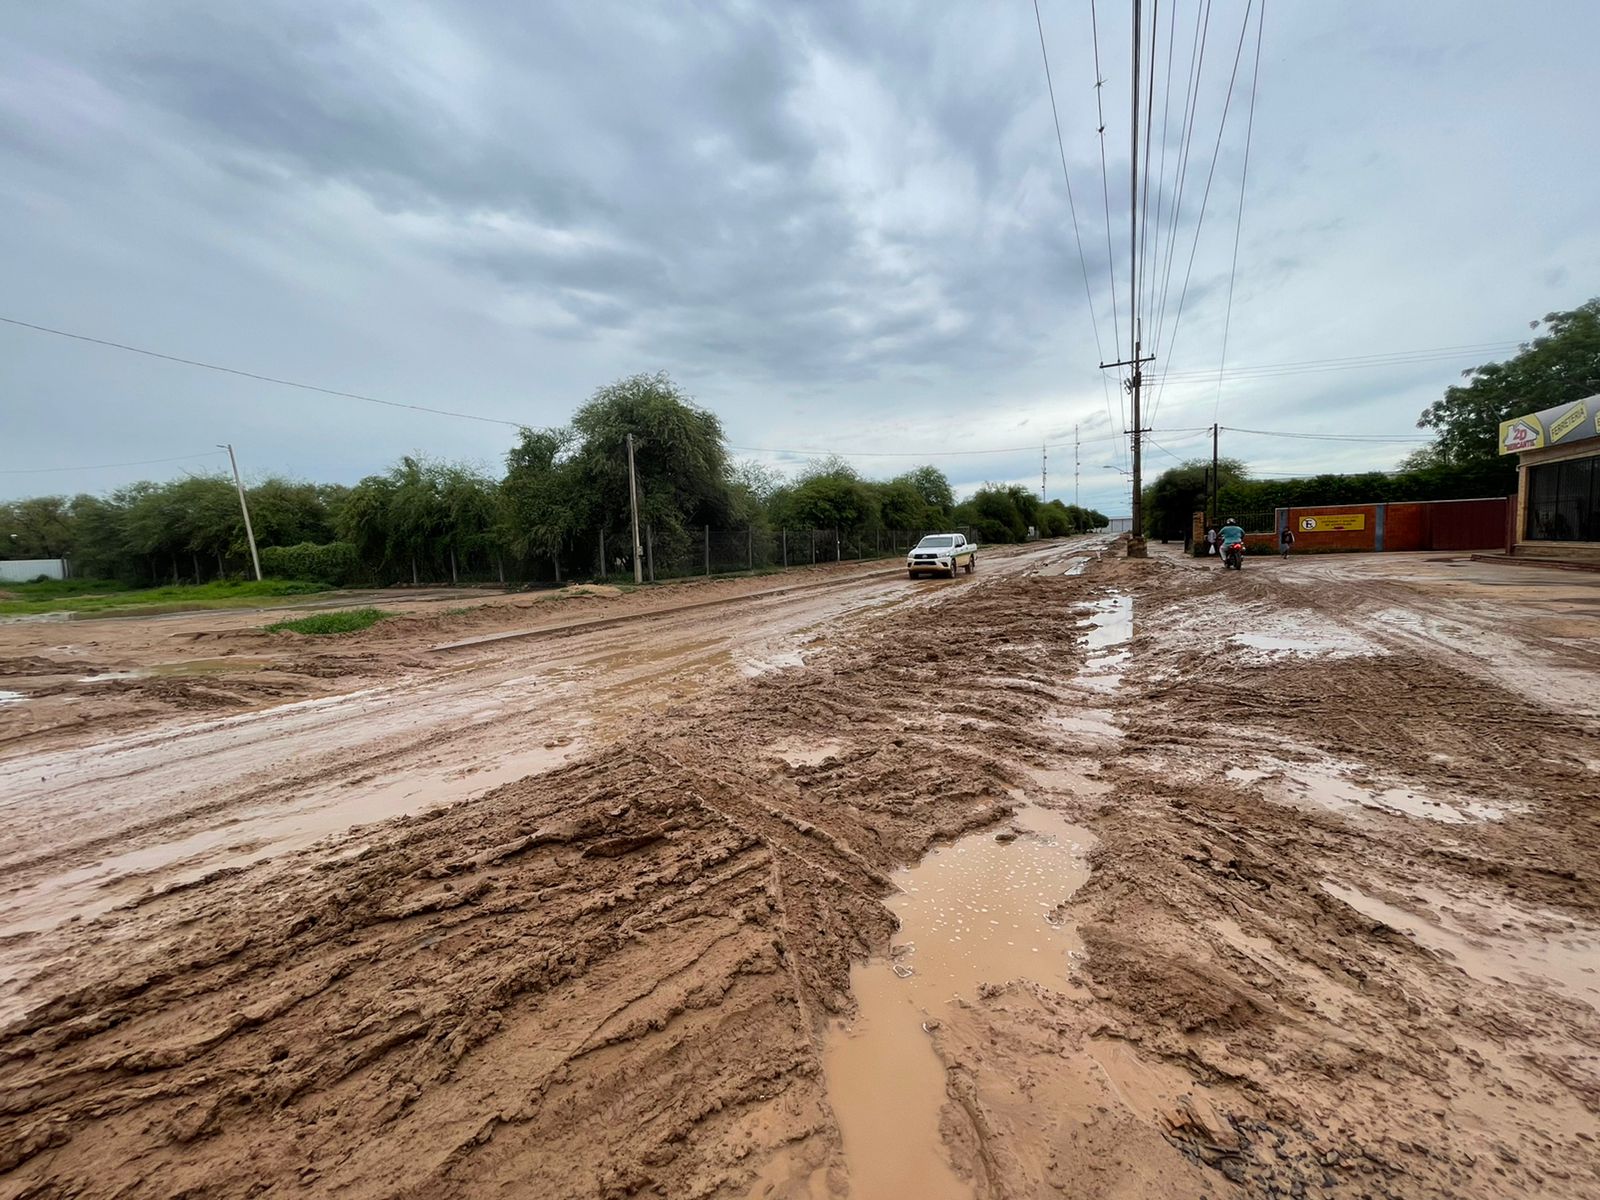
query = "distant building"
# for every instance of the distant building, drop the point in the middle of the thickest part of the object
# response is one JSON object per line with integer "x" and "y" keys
{"x": 1557, "y": 511}
{"x": 1120, "y": 525}
{"x": 26, "y": 570}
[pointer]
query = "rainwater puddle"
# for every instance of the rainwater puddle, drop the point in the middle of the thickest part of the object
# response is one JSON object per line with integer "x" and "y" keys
{"x": 1555, "y": 954}
{"x": 188, "y": 668}
{"x": 979, "y": 911}
{"x": 801, "y": 753}
{"x": 1329, "y": 644}
{"x": 1107, "y": 631}
{"x": 12, "y": 697}
{"x": 1326, "y": 786}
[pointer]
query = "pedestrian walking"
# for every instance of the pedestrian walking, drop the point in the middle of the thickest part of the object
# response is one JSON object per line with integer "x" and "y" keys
{"x": 1285, "y": 540}
{"x": 1211, "y": 540}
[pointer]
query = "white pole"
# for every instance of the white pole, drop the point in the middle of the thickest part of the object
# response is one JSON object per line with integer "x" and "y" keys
{"x": 249, "y": 533}
{"x": 633, "y": 500}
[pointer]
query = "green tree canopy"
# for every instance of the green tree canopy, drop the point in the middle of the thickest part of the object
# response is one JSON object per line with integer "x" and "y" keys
{"x": 1180, "y": 492}
{"x": 1559, "y": 365}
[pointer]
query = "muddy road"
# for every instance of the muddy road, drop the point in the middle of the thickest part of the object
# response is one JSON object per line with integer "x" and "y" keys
{"x": 1079, "y": 876}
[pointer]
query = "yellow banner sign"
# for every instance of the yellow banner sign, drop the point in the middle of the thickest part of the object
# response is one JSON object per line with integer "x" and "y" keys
{"x": 1329, "y": 522}
{"x": 1568, "y": 421}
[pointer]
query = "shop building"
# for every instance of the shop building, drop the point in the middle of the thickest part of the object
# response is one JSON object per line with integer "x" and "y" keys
{"x": 1557, "y": 511}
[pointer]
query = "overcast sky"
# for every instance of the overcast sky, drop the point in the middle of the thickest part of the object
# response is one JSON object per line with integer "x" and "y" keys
{"x": 839, "y": 226}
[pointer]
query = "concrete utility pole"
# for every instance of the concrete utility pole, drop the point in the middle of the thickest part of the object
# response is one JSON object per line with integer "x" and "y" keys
{"x": 1044, "y": 472}
{"x": 1216, "y": 483}
{"x": 1077, "y": 465}
{"x": 1136, "y": 547}
{"x": 249, "y": 533}
{"x": 633, "y": 502}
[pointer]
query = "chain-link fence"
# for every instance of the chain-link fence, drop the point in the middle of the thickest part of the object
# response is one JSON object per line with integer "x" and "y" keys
{"x": 678, "y": 553}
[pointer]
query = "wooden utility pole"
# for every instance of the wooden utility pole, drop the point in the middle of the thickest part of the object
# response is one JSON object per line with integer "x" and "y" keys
{"x": 249, "y": 533}
{"x": 633, "y": 503}
{"x": 1044, "y": 472}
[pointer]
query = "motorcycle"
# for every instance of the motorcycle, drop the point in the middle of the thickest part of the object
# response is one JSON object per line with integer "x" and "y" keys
{"x": 1233, "y": 556}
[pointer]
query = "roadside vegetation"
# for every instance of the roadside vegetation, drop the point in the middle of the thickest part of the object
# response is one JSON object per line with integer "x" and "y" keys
{"x": 106, "y": 596}
{"x": 348, "y": 620}
{"x": 563, "y": 497}
{"x": 1560, "y": 364}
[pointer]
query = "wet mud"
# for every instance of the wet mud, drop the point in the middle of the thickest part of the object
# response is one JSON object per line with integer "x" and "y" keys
{"x": 640, "y": 964}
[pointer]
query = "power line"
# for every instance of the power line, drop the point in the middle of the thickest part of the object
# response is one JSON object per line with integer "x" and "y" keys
{"x": 1238, "y": 223}
{"x": 143, "y": 462}
{"x": 1072, "y": 207}
{"x": 1369, "y": 438}
{"x": 1161, "y": 168}
{"x": 1354, "y": 362}
{"x": 305, "y": 387}
{"x": 1222, "y": 125}
{"x": 819, "y": 453}
{"x": 1191, "y": 113}
{"x": 1105, "y": 182}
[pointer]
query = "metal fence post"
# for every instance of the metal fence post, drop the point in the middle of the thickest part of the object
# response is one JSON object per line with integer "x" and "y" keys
{"x": 650, "y": 551}
{"x": 813, "y": 547}
{"x": 602, "y": 572}
{"x": 708, "y": 551}
{"x": 786, "y": 549}
{"x": 838, "y": 547}
{"x": 750, "y": 549}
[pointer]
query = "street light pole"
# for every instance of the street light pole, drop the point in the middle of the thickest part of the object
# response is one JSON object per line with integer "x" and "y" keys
{"x": 244, "y": 507}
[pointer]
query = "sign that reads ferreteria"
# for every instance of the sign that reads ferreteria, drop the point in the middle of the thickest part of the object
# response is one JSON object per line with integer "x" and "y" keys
{"x": 1330, "y": 522}
{"x": 1556, "y": 426}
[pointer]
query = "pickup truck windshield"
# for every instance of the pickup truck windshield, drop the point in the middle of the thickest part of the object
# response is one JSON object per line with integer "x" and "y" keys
{"x": 936, "y": 543}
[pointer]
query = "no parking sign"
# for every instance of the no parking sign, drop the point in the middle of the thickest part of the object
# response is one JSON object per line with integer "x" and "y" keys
{"x": 1329, "y": 522}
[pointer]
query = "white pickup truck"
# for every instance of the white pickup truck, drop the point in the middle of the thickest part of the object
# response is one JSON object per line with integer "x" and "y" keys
{"x": 940, "y": 554}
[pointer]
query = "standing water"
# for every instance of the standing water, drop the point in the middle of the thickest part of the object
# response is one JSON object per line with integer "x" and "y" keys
{"x": 979, "y": 911}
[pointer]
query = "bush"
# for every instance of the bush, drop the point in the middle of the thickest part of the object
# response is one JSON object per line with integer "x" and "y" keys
{"x": 333, "y": 562}
{"x": 349, "y": 620}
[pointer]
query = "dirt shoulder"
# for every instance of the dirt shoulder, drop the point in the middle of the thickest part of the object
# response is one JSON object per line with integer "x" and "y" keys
{"x": 1340, "y": 929}
{"x": 75, "y": 680}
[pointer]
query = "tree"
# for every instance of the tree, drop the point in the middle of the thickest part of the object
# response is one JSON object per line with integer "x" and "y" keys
{"x": 901, "y": 506}
{"x": 1180, "y": 492}
{"x": 40, "y": 527}
{"x": 679, "y": 456}
{"x": 932, "y": 486}
{"x": 829, "y": 494}
{"x": 1560, "y": 365}
{"x": 541, "y": 499}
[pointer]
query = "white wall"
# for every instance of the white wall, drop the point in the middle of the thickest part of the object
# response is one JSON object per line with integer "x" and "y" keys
{"x": 22, "y": 570}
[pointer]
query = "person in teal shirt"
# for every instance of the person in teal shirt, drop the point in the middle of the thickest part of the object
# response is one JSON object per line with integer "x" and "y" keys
{"x": 1229, "y": 534}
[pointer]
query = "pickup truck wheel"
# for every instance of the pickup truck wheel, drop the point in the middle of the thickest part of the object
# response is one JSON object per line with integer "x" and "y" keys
{"x": 972, "y": 564}
{"x": 911, "y": 574}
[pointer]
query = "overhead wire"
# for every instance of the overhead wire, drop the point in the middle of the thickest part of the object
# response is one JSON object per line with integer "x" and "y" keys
{"x": 290, "y": 383}
{"x": 1105, "y": 201}
{"x": 1149, "y": 122}
{"x": 1161, "y": 166}
{"x": 1347, "y": 362}
{"x": 1222, "y": 125}
{"x": 143, "y": 462}
{"x": 1369, "y": 438}
{"x": 1191, "y": 111}
{"x": 1238, "y": 224}
{"x": 1066, "y": 177}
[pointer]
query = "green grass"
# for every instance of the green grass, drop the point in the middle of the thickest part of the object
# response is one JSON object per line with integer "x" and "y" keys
{"x": 91, "y": 596}
{"x": 349, "y": 620}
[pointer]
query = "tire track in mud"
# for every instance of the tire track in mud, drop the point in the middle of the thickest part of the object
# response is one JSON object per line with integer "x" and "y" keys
{"x": 612, "y": 979}
{"x": 606, "y": 978}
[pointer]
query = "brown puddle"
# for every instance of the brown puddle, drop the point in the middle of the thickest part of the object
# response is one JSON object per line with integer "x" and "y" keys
{"x": 979, "y": 911}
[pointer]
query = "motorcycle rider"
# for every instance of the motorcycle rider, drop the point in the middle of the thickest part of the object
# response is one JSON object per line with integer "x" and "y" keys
{"x": 1229, "y": 534}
